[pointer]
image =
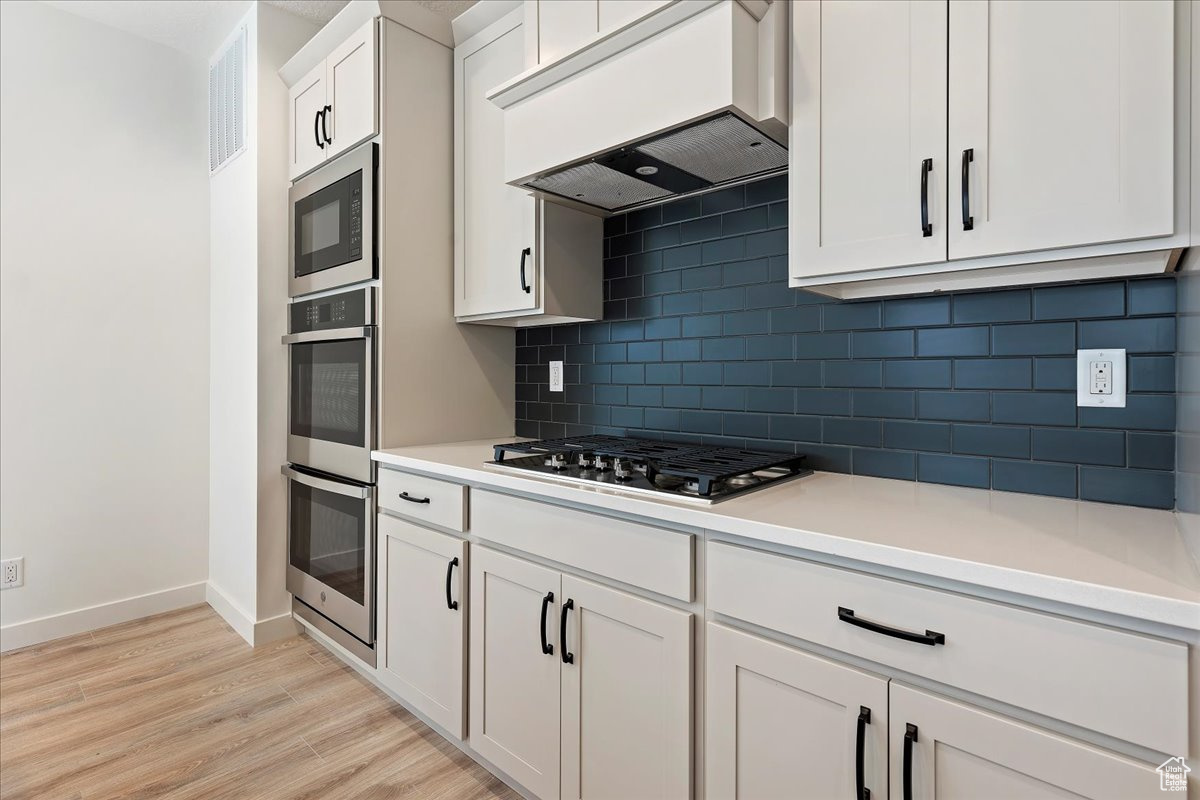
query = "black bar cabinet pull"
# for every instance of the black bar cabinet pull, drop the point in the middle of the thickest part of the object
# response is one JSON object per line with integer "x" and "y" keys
{"x": 967, "y": 158}
{"x": 864, "y": 719}
{"x": 929, "y": 637}
{"x": 567, "y": 656}
{"x": 910, "y": 736}
{"x": 926, "y": 226}
{"x": 411, "y": 499}
{"x": 451, "y": 603}
{"x": 317, "y": 129}
{"x": 547, "y": 648}
{"x": 524, "y": 283}
{"x": 325, "y": 124}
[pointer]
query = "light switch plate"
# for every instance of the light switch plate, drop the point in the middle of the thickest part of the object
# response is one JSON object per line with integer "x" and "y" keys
{"x": 1100, "y": 377}
{"x": 556, "y": 376}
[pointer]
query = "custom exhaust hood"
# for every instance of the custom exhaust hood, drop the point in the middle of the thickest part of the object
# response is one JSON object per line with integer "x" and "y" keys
{"x": 688, "y": 99}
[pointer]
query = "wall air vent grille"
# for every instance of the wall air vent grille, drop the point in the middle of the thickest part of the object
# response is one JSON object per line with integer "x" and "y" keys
{"x": 227, "y": 103}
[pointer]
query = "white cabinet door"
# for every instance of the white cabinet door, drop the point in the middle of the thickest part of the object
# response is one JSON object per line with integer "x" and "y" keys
{"x": 306, "y": 103}
{"x": 422, "y": 619}
{"x": 564, "y": 26}
{"x": 1061, "y": 123}
{"x": 944, "y": 748}
{"x": 626, "y": 696}
{"x": 352, "y": 74}
{"x": 867, "y": 183}
{"x": 613, "y": 14}
{"x": 514, "y": 708}
{"x": 495, "y": 223}
{"x": 783, "y": 724}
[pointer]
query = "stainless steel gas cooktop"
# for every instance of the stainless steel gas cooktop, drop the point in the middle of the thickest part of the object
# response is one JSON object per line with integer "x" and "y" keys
{"x": 697, "y": 473}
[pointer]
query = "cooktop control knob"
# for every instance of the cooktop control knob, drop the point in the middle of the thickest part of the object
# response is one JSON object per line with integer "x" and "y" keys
{"x": 557, "y": 461}
{"x": 601, "y": 464}
{"x": 585, "y": 460}
{"x": 622, "y": 469}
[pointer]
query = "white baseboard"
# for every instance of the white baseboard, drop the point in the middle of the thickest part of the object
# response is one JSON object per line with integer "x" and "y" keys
{"x": 255, "y": 633}
{"x": 69, "y": 623}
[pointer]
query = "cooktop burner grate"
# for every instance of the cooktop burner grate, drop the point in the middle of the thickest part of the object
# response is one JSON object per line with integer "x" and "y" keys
{"x": 701, "y": 470}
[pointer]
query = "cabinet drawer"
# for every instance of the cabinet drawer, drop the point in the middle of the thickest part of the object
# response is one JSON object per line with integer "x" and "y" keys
{"x": 640, "y": 555}
{"x": 1126, "y": 685}
{"x": 424, "y": 499}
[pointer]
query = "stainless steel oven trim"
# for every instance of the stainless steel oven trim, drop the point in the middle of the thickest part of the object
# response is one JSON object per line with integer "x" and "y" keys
{"x": 362, "y": 157}
{"x": 352, "y": 645}
{"x": 355, "y": 618}
{"x": 349, "y": 460}
{"x": 327, "y": 336}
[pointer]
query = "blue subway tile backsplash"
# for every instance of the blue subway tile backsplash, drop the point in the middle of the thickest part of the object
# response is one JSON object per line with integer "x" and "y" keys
{"x": 703, "y": 341}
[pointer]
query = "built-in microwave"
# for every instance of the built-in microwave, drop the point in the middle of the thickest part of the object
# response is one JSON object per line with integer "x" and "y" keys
{"x": 332, "y": 220}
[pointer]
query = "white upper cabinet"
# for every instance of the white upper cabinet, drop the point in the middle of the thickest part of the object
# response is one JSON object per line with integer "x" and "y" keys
{"x": 563, "y": 26}
{"x": 335, "y": 105}
{"x": 517, "y": 260}
{"x": 306, "y": 102}
{"x": 965, "y": 144}
{"x": 496, "y": 230}
{"x": 1061, "y": 123}
{"x": 350, "y": 76}
{"x": 868, "y": 136}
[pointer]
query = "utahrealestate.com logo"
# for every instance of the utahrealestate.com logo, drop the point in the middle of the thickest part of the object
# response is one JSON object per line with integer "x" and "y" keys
{"x": 1172, "y": 775}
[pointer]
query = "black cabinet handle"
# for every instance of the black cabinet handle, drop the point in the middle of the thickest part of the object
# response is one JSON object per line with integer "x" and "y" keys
{"x": 928, "y": 637}
{"x": 524, "y": 283}
{"x": 451, "y": 603}
{"x": 317, "y": 129}
{"x": 967, "y": 157}
{"x": 926, "y": 226}
{"x": 411, "y": 499}
{"x": 324, "y": 126}
{"x": 910, "y": 736}
{"x": 864, "y": 719}
{"x": 567, "y": 656}
{"x": 547, "y": 648}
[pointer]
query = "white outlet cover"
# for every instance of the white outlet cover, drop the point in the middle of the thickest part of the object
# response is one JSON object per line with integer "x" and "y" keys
{"x": 15, "y": 567}
{"x": 556, "y": 376}
{"x": 1083, "y": 378}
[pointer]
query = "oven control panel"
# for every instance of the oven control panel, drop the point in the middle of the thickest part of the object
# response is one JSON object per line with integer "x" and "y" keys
{"x": 351, "y": 309}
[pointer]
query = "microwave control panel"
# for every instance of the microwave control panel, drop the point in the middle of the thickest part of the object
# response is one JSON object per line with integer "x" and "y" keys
{"x": 352, "y": 309}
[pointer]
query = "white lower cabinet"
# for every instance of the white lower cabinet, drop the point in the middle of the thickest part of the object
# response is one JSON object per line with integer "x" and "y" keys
{"x": 782, "y": 723}
{"x": 943, "y": 748}
{"x": 578, "y": 690}
{"x": 422, "y": 619}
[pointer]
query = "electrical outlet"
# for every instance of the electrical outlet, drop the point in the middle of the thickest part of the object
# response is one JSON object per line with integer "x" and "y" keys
{"x": 556, "y": 376}
{"x": 12, "y": 573}
{"x": 1100, "y": 378}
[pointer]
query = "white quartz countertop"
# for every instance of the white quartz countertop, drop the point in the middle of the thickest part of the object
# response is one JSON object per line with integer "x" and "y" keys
{"x": 1134, "y": 562}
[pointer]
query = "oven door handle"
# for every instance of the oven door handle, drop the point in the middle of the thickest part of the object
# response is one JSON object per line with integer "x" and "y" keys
{"x": 345, "y": 489}
{"x": 334, "y": 335}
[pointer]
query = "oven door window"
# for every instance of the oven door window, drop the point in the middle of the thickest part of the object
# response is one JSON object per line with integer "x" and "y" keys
{"x": 328, "y": 539}
{"x": 328, "y": 226}
{"x": 329, "y": 389}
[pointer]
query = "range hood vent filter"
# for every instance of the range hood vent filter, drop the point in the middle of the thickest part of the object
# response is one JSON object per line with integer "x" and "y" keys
{"x": 719, "y": 150}
{"x": 597, "y": 185}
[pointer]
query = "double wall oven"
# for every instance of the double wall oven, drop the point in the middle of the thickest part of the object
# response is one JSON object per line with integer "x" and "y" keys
{"x": 332, "y": 387}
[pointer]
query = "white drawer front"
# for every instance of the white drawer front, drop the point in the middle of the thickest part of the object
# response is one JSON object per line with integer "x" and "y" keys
{"x": 424, "y": 499}
{"x": 1126, "y": 685}
{"x": 651, "y": 558}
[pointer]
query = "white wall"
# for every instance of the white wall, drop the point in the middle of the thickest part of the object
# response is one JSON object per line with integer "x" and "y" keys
{"x": 248, "y": 392}
{"x": 104, "y": 322}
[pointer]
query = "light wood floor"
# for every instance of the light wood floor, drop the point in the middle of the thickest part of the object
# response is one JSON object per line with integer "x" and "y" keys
{"x": 178, "y": 706}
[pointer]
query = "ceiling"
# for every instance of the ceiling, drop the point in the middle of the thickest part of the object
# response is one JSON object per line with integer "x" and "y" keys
{"x": 194, "y": 27}
{"x": 198, "y": 27}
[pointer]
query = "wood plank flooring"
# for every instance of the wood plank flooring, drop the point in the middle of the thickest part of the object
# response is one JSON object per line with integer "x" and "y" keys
{"x": 178, "y": 706}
